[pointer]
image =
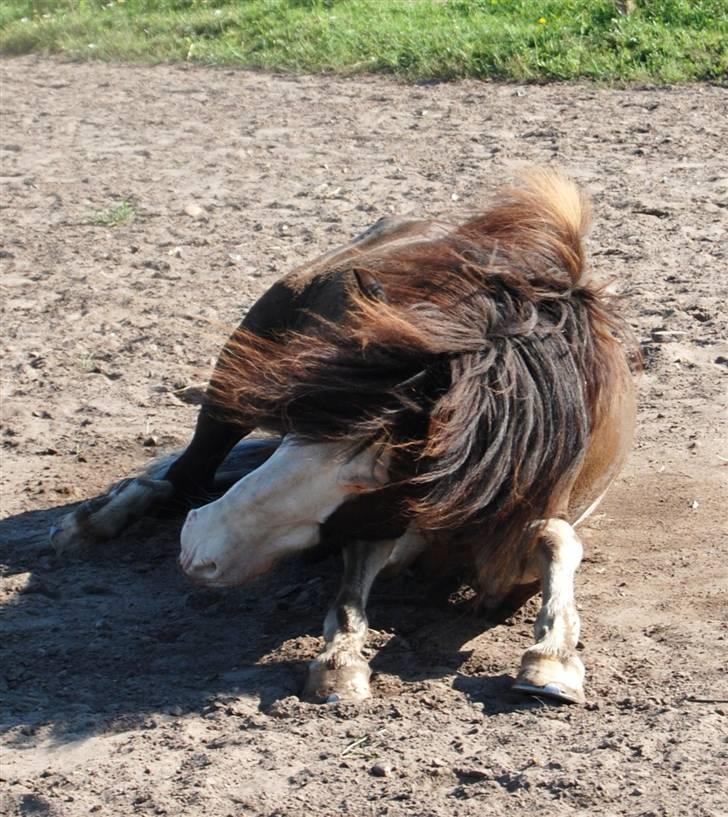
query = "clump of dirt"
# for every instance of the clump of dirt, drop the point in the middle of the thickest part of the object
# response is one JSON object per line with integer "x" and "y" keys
{"x": 143, "y": 211}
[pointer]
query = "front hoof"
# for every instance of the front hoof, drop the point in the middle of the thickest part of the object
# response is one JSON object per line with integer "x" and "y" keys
{"x": 346, "y": 677}
{"x": 104, "y": 517}
{"x": 69, "y": 536}
{"x": 560, "y": 680}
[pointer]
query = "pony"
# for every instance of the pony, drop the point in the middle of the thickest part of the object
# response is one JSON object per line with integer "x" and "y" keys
{"x": 457, "y": 394}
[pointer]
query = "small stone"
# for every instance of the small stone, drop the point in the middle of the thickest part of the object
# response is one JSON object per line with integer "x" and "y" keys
{"x": 150, "y": 442}
{"x": 157, "y": 266}
{"x": 663, "y": 335}
{"x": 196, "y": 212}
{"x": 284, "y": 707}
{"x": 333, "y": 698}
{"x": 381, "y": 770}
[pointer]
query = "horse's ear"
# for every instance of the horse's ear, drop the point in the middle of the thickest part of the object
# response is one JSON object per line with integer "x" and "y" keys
{"x": 369, "y": 285}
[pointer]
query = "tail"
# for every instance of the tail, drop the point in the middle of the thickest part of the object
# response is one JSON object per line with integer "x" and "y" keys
{"x": 545, "y": 219}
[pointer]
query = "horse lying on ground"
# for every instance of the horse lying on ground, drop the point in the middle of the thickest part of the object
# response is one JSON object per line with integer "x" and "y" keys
{"x": 459, "y": 394}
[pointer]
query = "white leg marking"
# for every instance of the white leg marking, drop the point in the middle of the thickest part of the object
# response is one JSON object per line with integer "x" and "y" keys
{"x": 106, "y": 516}
{"x": 551, "y": 667}
{"x": 341, "y": 669}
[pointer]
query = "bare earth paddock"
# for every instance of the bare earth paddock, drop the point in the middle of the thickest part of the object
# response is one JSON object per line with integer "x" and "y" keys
{"x": 125, "y": 690}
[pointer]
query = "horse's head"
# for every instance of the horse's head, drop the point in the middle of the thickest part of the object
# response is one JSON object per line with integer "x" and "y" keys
{"x": 275, "y": 510}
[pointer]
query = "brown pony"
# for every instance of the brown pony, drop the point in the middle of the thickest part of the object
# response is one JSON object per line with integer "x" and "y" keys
{"x": 458, "y": 393}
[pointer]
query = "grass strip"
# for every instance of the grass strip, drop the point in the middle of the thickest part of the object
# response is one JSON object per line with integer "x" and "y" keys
{"x": 662, "y": 41}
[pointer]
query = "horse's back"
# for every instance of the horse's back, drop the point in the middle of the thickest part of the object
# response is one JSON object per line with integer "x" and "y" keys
{"x": 321, "y": 287}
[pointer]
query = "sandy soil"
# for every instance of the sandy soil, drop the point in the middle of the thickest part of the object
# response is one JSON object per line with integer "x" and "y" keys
{"x": 125, "y": 690}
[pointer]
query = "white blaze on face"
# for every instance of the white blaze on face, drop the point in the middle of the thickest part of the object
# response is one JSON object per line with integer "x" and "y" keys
{"x": 275, "y": 510}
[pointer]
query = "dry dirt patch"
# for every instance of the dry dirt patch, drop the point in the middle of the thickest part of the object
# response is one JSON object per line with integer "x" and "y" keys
{"x": 124, "y": 690}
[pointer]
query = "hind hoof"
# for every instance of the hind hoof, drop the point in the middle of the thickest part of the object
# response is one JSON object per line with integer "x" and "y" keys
{"x": 559, "y": 680}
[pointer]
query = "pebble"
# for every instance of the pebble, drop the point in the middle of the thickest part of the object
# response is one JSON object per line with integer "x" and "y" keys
{"x": 196, "y": 212}
{"x": 662, "y": 335}
{"x": 381, "y": 770}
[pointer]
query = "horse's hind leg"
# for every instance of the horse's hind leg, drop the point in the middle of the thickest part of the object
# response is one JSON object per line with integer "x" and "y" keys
{"x": 184, "y": 479}
{"x": 341, "y": 669}
{"x": 551, "y": 667}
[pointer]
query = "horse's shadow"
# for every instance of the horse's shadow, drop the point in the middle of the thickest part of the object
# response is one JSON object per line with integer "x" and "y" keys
{"x": 101, "y": 644}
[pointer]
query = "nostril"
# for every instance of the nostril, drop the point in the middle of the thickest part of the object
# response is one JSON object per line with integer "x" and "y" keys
{"x": 205, "y": 570}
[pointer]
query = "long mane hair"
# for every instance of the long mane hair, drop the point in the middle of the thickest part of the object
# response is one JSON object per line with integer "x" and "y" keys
{"x": 481, "y": 360}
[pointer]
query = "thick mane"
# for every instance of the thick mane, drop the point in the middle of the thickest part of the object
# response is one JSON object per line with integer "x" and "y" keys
{"x": 483, "y": 366}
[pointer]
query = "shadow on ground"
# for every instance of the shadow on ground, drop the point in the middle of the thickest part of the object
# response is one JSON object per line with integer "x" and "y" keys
{"x": 99, "y": 644}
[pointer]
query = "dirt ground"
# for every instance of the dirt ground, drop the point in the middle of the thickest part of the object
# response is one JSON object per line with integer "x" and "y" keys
{"x": 125, "y": 690}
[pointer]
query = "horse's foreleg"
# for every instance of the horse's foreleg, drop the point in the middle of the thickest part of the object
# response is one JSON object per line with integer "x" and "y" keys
{"x": 193, "y": 472}
{"x": 551, "y": 667}
{"x": 103, "y": 517}
{"x": 341, "y": 669}
{"x": 187, "y": 478}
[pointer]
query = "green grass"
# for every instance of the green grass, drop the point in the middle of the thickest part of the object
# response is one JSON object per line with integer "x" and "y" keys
{"x": 659, "y": 40}
{"x": 115, "y": 216}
